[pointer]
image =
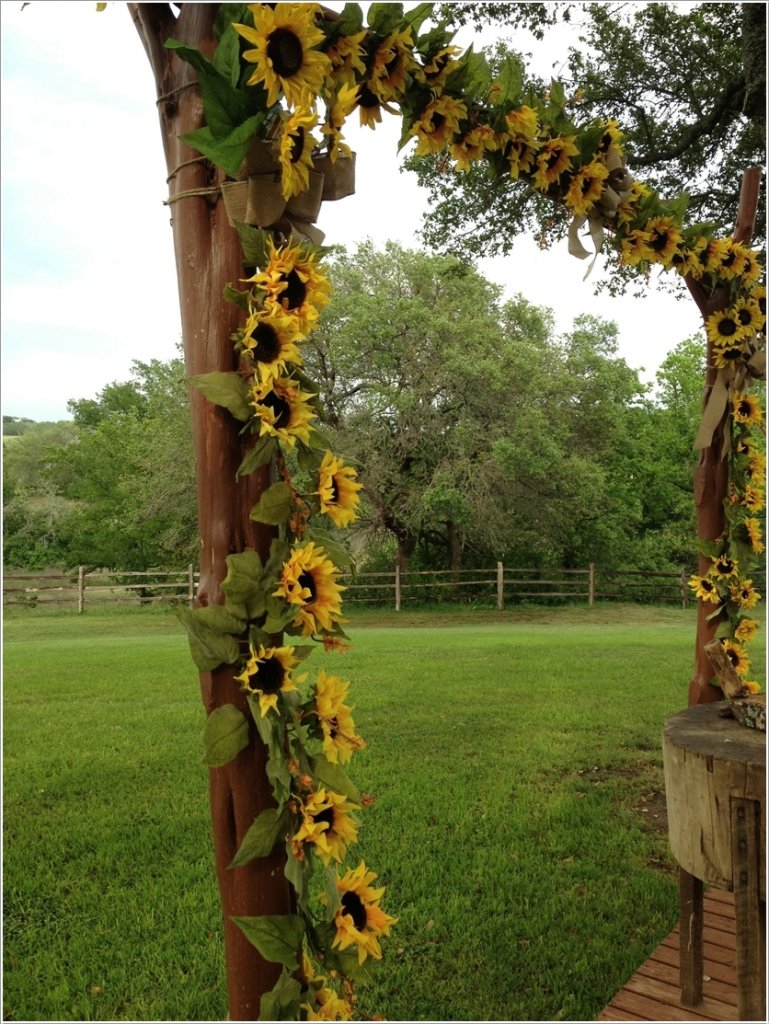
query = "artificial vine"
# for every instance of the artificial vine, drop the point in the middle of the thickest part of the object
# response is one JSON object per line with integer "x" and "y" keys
{"x": 281, "y": 73}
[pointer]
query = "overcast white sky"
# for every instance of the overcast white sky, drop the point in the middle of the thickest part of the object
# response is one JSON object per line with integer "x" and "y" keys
{"x": 88, "y": 278}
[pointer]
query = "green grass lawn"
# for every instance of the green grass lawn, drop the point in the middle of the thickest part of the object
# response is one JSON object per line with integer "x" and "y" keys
{"x": 518, "y": 823}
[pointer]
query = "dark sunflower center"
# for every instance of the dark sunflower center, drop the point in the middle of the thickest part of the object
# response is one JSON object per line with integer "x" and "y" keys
{"x": 280, "y": 407}
{"x": 306, "y": 580}
{"x": 733, "y": 657}
{"x": 367, "y": 99}
{"x": 724, "y": 567}
{"x": 270, "y": 676}
{"x": 295, "y": 291}
{"x": 659, "y": 241}
{"x": 297, "y": 145}
{"x": 553, "y": 159}
{"x": 285, "y": 51}
{"x": 352, "y": 905}
{"x": 728, "y": 260}
{"x": 727, "y": 327}
{"x": 744, "y": 316}
{"x": 605, "y": 142}
{"x": 333, "y": 728}
{"x": 744, "y": 409}
{"x": 325, "y": 817}
{"x": 334, "y": 491}
{"x": 587, "y": 184}
{"x": 438, "y": 121}
{"x": 392, "y": 65}
{"x": 730, "y": 353}
{"x": 267, "y": 343}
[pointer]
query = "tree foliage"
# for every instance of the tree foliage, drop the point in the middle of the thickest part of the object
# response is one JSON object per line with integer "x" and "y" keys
{"x": 687, "y": 87}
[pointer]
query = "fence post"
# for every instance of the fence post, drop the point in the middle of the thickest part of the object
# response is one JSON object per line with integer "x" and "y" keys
{"x": 684, "y": 590}
{"x": 397, "y": 587}
{"x": 591, "y": 585}
{"x": 80, "y": 589}
{"x": 191, "y": 584}
{"x": 500, "y": 587}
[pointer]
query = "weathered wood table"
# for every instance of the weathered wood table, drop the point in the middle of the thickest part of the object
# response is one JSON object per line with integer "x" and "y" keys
{"x": 715, "y": 782}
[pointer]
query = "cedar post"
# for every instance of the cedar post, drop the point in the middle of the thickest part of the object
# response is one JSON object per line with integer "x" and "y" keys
{"x": 208, "y": 256}
{"x": 710, "y": 479}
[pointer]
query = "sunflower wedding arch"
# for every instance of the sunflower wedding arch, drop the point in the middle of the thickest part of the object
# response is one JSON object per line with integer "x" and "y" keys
{"x": 253, "y": 101}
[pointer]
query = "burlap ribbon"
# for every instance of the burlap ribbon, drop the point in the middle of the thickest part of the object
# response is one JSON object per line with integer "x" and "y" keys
{"x": 615, "y": 191}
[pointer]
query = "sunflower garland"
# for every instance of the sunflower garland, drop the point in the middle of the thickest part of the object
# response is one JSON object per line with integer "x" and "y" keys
{"x": 294, "y": 62}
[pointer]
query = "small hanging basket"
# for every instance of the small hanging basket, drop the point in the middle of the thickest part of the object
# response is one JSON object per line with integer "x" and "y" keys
{"x": 265, "y": 203}
{"x": 299, "y": 232}
{"x": 235, "y": 196}
{"x": 261, "y": 158}
{"x": 338, "y": 177}
{"x": 306, "y": 206}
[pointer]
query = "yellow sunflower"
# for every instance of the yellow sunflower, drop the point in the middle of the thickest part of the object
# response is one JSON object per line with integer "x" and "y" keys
{"x": 283, "y": 409}
{"x": 585, "y": 188}
{"x": 309, "y": 581}
{"x": 724, "y": 328}
{"x": 347, "y": 58}
{"x": 748, "y": 313}
{"x": 338, "y": 490}
{"x": 521, "y": 156}
{"x": 344, "y": 102}
{"x": 612, "y": 136}
{"x": 752, "y": 531}
{"x": 327, "y": 825}
{"x": 757, "y": 467}
{"x": 369, "y": 108}
{"x": 391, "y": 65}
{"x": 328, "y": 1005}
{"x": 723, "y": 257}
{"x": 753, "y": 498}
{"x": 294, "y": 281}
{"x": 473, "y": 146}
{"x": 438, "y": 68}
{"x": 283, "y": 38}
{"x": 335, "y": 718}
{"x": 553, "y": 160}
{"x": 634, "y": 247}
{"x": 296, "y": 148}
{"x": 744, "y": 594}
{"x": 360, "y": 920}
{"x": 665, "y": 240}
{"x": 725, "y": 355}
{"x": 438, "y": 124}
{"x": 738, "y": 657}
{"x": 268, "y": 673}
{"x": 705, "y": 589}
{"x": 270, "y": 337}
{"x": 688, "y": 260}
{"x": 724, "y": 567}
{"x": 626, "y": 211}
{"x": 522, "y": 124}
{"x": 746, "y": 631}
{"x": 747, "y": 409}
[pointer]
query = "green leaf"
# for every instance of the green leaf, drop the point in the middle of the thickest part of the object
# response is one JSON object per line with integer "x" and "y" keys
{"x": 272, "y": 732}
{"x": 258, "y": 456}
{"x": 227, "y": 389}
{"x": 385, "y": 17}
{"x": 237, "y": 297}
{"x": 242, "y": 586}
{"x": 298, "y": 874}
{"x": 278, "y": 937}
{"x": 255, "y": 243}
{"x": 509, "y": 82}
{"x": 260, "y": 839}
{"x": 350, "y": 20}
{"x": 418, "y": 15}
{"x": 226, "y": 59}
{"x": 274, "y": 505}
{"x": 210, "y": 635}
{"x": 225, "y": 735}
{"x": 335, "y": 777}
{"x": 338, "y": 554}
{"x": 333, "y": 897}
{"x": 282, "y": 1002}
{"x": 224, "y": 105}
{"x": 228, "y": 152}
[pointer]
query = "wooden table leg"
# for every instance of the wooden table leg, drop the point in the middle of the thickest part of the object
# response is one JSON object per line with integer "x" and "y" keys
{"x": 690, "y": 937}
{"x": 749, "y": 909}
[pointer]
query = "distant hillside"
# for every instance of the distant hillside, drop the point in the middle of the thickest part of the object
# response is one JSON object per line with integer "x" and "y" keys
{"x": 15, "y": 426}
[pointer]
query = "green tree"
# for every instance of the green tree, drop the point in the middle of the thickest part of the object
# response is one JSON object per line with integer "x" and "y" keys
{"x": 687, "y": 86}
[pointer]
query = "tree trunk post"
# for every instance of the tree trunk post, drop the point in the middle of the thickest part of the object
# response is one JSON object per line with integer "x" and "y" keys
{"x": 208, "y": 256}
{"x": 711, "y": 474}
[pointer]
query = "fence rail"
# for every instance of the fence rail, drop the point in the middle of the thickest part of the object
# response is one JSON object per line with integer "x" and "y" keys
{"x": 497, "y": 586}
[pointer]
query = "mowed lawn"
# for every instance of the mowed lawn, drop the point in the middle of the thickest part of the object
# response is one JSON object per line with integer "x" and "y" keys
{"x": 518, "y": 822}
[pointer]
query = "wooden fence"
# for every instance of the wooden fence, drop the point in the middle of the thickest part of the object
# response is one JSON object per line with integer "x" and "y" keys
{"x": 499, "y": 586}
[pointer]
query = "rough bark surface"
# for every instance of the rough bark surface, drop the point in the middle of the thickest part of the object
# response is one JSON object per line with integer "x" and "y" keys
{"x": 207, "y": 257}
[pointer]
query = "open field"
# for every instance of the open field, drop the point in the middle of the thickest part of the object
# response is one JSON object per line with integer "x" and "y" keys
{"x": 519, "y": 820}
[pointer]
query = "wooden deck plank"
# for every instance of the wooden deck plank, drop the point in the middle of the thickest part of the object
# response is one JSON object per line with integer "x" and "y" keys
{"x": 653, "y": 993}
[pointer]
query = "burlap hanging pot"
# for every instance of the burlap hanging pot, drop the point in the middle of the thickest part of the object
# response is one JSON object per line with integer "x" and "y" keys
{"x": 338, "y": 177}
{"x": 261, "y": 158}
{"x": 235, "y": 196}
{"x": 266, "y": 203}
{"x": 306, "y": 206}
